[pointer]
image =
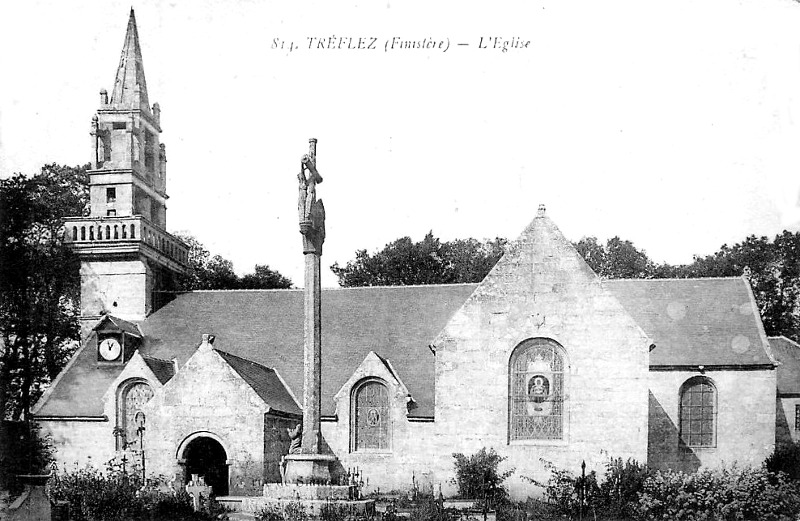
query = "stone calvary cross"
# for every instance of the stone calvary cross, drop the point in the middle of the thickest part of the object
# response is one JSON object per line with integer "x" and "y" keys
{"x": 310, "y": 465}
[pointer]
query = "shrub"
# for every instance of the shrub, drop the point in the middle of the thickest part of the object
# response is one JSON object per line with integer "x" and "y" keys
{"x": 333, "y": 512}
{"x": 115, "y": 495}
{"x": 294, "y": 511}
{"x": 269, "y": 513}
{"x": 431, "y": 510}
{"x": 563, "y": 489}
{"x": 785, "y": 459}
{"x": 727, "y": 493}
{"x": 477, "y": 476}
{"x": 621, "y": 486}
{"x": 23, "y": 450}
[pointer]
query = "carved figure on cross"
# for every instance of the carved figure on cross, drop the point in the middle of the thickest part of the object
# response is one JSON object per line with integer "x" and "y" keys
{"x": 309, "y": 178}
{"x": 311, "y": 210}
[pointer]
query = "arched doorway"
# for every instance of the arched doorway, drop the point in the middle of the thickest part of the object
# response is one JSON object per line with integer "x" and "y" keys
{"x": 206, "y": 457}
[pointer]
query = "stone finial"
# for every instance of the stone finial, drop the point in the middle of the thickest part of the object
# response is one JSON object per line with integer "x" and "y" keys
{"x": 208, "y": 340}
{"x": 103, "y": 97}
{"x": 540, "y": 211}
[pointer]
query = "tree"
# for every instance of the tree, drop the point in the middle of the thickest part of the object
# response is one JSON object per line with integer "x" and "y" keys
{"x": 618, "y": 259}
{"x": 264, "y": 278}
{"x": 429, "y": 261}
{"x": 39, "y": 282}
{"x": 773, "y": 270}
{"x": 216, "y": 272}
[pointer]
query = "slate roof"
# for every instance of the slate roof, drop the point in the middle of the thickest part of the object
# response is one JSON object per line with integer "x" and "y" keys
{"x": 266, "y": 327}
{"x": 264, "y": 381}
{"x": 163, "y": 369}
{"x": 120, "y": 324}
{"x": 78, "y": 390}
{"x": 787, "y": 352}
{"x": 712, "y": 321}
{"x": 692, "y": 322}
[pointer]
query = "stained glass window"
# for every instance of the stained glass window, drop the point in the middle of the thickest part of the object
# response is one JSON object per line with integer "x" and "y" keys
{"x": 371, "y": 417}
{"x": 131, "y": 400}
{"x": 536, "y": 391}
{"x": 698, "y": 413}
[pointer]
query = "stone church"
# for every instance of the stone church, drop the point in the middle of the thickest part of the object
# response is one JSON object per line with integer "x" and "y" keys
{"x": 542, "y": 360}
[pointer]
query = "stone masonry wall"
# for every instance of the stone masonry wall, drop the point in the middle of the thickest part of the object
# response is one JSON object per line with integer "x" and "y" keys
{"x": 745, "y": 428}
{"x": 409, "y": 453}
{"x": 541, "y": 288}
{"x": 208, "y": 398}
{"x": 81, "y": 443}
{"x": 104, "y": 283}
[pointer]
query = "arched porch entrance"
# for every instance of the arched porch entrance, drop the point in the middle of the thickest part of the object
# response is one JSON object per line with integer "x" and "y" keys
{"x": 204, "y": 455}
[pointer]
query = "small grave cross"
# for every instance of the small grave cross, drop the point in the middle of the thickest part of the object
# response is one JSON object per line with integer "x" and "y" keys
{"x": 198, "y": 489}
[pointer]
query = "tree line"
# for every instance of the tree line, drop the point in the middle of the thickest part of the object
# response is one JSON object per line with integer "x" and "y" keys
{"x": 772, "y": 266}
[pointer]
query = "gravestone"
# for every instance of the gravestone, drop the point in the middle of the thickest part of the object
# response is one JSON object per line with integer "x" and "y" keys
{"x": 199, "y": 491}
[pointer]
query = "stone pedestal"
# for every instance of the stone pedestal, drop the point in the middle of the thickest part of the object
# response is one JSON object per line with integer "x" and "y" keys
{"x": 308, "y": 468}
{"x": 33, "y": 503}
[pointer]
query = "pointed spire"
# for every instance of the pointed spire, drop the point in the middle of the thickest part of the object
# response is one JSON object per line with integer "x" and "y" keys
{"x": 130, "y": 87}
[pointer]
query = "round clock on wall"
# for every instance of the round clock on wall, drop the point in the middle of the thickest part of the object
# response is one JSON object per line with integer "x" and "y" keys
{"x": 110, "y": 349}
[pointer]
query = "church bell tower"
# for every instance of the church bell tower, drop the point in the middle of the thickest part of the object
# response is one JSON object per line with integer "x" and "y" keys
{"x": 129, "y": 263}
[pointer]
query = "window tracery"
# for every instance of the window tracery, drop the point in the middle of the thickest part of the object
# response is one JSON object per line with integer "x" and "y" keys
{"x": 537, "y": 390}
{"x": 698, "y": 412}
{"x": 131, "y": 417}
{"x": 370, "y": 417}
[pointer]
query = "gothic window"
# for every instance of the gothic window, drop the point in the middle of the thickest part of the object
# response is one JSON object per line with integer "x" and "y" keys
{"x": 537, "y": 388}
{"x": 111, "y": 195}
{"x": 698, "y": 412}
{"x": 370, "y": 417}
{"x": 130, "y": 417}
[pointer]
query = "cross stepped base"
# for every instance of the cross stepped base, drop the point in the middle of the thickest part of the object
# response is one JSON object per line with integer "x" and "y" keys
{"x": 308, "y": 468}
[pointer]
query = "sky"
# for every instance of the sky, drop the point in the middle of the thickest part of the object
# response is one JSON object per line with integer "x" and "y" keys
{"x": 670, "y": 124}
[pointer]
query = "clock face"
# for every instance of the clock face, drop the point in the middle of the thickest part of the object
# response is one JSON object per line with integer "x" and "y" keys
{"x": 110, "y": 349}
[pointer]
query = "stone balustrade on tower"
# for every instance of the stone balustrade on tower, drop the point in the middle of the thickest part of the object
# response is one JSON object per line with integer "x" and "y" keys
{"x": 121, "y": 235}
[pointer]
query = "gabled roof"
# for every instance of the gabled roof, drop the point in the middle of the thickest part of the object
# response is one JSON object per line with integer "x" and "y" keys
{"x": 118, "y": 324}
{"x": 78, "y": 390}
{"x": 264, "y": 381}
{"x": 712, "y": 321}
{"x": 787, "y": 353}
{"x": 266, "y": 327}
{"x": 130, "y": 73}
{"x": 163, "y": 369}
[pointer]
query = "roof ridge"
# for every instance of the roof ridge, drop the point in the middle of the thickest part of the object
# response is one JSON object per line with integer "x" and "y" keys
{"x": 243, "y": 359}
{"x": 732, "y": 277}
{"x": 455, "y": 284}
{"x": 778, "y": 337}
{"x": 149, "y": 357}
